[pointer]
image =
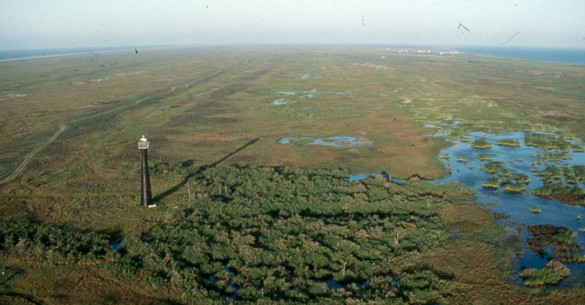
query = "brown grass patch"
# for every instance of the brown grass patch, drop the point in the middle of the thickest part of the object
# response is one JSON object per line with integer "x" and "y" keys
{"x": 558, "y": 114}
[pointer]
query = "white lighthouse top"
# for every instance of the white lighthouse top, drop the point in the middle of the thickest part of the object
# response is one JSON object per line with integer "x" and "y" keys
{"x": 143, "y": 143}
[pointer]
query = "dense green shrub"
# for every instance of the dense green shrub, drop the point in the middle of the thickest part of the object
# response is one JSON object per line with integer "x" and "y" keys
{"x": 56, "y": 243}
{"x": 579, "y": 171}
{"x": 282, "y": 233}
{"x": 125, "y": 266}
{"x": 424, "y": 286}
{"x": 156, "y": 279}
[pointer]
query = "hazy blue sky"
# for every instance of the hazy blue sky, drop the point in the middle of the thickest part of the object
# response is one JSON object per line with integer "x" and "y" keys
{"x": 80, "y": 23}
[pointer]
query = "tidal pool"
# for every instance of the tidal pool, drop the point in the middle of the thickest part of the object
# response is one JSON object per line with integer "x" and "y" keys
{"x": 232, "y": 296}
{"x": 517, "y": 207}
{"x": 288, "y": 92}
{"x": 306, "y": 93}
{"x": 363, "y": 176}
{"x": 310, "y": 75}
{"x": 116, "y": 245}
{"x": 326, "y": 141}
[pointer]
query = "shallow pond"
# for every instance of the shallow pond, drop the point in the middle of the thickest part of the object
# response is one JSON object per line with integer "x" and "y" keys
{"x": 326, "y": 141}
{"x": 231, "y": 296}
{"x": 363, "y": 176}
{"x": 116, "y": 245}
{"x": 288, "y": 92}
{"x": 279, "y": 102}
{"x": 465, "y": 167}
{"x": 310, "y": 75}
{"x": 516, "y": 207}
{"x": 305, "y": 93}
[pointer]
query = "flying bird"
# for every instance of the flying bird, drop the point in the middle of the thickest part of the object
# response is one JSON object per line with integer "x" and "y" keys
{"x": 462, "y": 26}
{"x": 510, "y": 39}
{"x": 135, "y": 50}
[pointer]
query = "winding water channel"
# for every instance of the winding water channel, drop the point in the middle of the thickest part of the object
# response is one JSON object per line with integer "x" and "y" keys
{"x": 517, "y": 208}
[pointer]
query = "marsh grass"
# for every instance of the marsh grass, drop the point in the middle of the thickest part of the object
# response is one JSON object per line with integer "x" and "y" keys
{"x": 481, "y": 143}
{"x": 551, "y": 274}
{"x": 492, "y": 184}
{"x": 198, "y": 106}
{"x": 509, "y": 142}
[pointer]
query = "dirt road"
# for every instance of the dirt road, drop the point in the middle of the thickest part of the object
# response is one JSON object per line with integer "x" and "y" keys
{"x": 31, "y": 154}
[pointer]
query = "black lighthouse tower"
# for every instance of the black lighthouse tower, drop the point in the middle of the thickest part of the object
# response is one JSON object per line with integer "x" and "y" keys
{"x": 145, "y": 194}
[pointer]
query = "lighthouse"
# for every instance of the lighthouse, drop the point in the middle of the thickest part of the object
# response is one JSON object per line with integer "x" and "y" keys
{"x": 145, "y": 194}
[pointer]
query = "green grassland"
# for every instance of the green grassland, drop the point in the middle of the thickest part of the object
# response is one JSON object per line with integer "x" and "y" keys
{"x": 205, "y": 110}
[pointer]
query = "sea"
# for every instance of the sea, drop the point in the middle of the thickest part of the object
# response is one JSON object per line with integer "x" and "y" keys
{"x": 11, "y": 55}
{"x": 558, "y": 55}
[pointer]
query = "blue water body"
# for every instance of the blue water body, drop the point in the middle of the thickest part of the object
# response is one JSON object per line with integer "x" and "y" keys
{"x": 8, "y": 55}
{"x": 307, "y": 93}
{"x": 116, "y": 245}
{"x": 310, "y": 75}
{"x": 314, "y": 91}
{"x": 363, "y": 176}
{"x": 279, "y": 102}
{"x": 560, "y": 55}
{"x": 235, "y": 288}
{"x": 288, "y": 92}
{"x": 333, "y": 284}
{"x": 516, "y": 206}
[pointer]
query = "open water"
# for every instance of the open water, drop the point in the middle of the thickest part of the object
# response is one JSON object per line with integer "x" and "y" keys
{"x": 560, "y": 55}
{"x": 517, "y": 206}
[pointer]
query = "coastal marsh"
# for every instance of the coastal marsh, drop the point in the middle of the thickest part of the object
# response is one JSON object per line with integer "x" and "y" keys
{"x": 212, "y": 113}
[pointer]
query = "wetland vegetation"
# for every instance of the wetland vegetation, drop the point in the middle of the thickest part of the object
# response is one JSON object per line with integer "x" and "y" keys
{"x": 252, "y": 156}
